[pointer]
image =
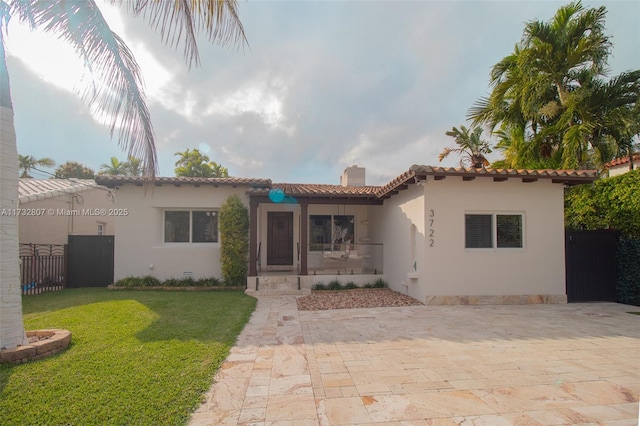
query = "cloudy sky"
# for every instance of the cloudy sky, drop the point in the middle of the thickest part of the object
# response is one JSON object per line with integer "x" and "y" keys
{"x": 321, "y": 86}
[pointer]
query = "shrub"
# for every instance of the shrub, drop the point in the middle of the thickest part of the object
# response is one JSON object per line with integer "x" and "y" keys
{"x": 234, "y": 240}
{"x": 129, "y": 282}
{"x": 380, "y": 283}
{"x": 319, "y": 286}
{"x": 150, "y": 281}
{"x": 629, "y": 272}
{"x": 350, "y": 285}
{"x": 608, "y": 203}
{"x": 334, "y": 285}
{"x": 207, "y": 282}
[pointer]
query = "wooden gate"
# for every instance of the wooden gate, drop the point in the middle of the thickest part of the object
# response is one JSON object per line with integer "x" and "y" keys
{"x": 591, "y": 265}
{"x": 90, "y": 260}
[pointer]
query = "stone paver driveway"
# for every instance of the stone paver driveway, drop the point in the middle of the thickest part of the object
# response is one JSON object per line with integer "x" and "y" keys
{"x": 423, "y": 365}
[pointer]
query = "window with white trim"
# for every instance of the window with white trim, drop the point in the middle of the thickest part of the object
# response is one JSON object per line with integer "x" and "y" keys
{"x": 190, "y": 226}
{"x": 493, "y": 231}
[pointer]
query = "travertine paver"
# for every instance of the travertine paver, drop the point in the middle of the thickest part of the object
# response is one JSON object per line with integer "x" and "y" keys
{"x": 432, "y": 365}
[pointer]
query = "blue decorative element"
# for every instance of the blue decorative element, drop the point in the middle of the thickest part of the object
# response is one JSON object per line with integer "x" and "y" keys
{"x": 276, "y": 195}
{"x": 28, "y": 286}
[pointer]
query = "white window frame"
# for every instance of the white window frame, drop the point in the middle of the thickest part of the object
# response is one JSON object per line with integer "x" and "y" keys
{"x": 190, "y": 242}
{"x": 101, "y": 228}
{"x": 494, "y": 230}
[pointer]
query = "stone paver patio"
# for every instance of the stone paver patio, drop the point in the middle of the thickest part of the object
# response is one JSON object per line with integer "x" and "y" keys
{"x": 430, "y": 365}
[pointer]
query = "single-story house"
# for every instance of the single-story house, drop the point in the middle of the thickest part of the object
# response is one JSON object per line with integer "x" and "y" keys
{"x": 620, "y": 166}
{"x": 53, "y": 209}
{"x": 440, "y": 235}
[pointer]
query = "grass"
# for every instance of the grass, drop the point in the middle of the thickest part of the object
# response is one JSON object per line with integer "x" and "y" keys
{"x": 136, "y": 357}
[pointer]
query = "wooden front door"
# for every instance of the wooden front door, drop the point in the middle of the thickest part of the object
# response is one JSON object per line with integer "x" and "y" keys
{"x": 279, "y": 238}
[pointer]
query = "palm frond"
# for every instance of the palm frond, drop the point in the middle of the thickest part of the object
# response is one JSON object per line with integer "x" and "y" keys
{"x": 119, "y": 97}
{"x": 184, "y": 19}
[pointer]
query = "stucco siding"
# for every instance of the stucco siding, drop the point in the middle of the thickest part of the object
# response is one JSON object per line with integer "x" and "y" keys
{"x": 392, "y": 224}
{"x": 535, "y": 269}
{"x": 139, "y": 244}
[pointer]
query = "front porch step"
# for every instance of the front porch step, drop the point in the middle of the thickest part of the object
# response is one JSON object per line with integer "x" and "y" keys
{"x": 253, "y": 292}
{"x": 281, "y": 285}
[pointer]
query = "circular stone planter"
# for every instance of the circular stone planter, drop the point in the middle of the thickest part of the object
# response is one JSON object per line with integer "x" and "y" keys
{"x": 42, "y": 344}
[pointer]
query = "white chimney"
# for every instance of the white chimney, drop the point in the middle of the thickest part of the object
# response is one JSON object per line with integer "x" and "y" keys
{"x": 353, "y": 176}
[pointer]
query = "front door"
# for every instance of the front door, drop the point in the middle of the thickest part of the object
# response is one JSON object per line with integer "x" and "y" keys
{"x": 279, "y": 238}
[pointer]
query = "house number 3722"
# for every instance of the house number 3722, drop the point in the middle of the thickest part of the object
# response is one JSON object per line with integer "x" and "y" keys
{"x": 432, "y": 230}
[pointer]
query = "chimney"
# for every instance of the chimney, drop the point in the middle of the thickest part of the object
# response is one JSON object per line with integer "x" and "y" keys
{"x": 353, "y": 176}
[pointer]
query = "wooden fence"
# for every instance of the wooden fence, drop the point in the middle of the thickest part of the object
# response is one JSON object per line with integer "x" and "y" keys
{"x": 43, "y": 267}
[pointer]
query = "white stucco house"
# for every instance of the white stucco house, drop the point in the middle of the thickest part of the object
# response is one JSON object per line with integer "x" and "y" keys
{"x": 53, "y": 209}
{"x": 440, "y": 235}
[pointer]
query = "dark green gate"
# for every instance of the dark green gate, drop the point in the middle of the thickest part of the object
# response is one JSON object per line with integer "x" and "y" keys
{"x": 90, "y": 261}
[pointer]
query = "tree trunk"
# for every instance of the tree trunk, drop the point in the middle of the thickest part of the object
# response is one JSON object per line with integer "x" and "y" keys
{"x": 11, "y": 325}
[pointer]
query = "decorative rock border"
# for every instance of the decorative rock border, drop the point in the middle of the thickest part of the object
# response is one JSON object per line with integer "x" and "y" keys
{"x": 52, "y": 341}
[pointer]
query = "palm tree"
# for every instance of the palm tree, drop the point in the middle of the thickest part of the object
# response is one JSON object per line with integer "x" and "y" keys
{"x": 551, "y": 90}
{"x": 114, "y": 168}
{"x": 28, "y": 162}
{"x": 133, "y": 167}
{"x": 193, "y": 163}
{"x": 471, "y": 147}
{"x": 119, "y": 96}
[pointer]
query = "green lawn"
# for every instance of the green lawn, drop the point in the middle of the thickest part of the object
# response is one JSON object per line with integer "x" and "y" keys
{"x": 136, "y": 358}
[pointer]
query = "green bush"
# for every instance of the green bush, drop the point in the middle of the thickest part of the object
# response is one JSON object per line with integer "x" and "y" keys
{"x": 334, "y": 285}
{"x": 319, "y": 286}
{"x": 150, "y": 281}
{"x": 146, "y": 281}
{"x": 629, "y": 272}
{"x": 380, "y": 283}
{"x": 608, "y": 203}
{"x": 234, "y": 241}
{"x": 350, "y": 286}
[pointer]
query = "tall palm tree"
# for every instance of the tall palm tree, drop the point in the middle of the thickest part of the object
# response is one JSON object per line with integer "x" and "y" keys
{"x": 28, "y": 162}
{"x": 120, "y": 97}
{"x": 471, "y": 147}
{"x": 548, "y": 89}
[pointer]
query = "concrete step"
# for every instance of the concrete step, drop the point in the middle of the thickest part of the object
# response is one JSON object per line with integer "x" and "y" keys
{"x": 303, "y": 292}
{"x": 277, "y": 285}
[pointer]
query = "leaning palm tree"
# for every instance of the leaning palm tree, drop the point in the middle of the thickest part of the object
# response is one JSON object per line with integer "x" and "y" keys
{"x": 118, "y": 96}
{"x": 29, "y": 162}
{"x": 471, "y": 147}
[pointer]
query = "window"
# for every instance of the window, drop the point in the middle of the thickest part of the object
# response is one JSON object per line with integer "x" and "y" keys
{"x": 328, "y": 229}
{"x": 101, "y": 229}
{"x": 185, "y": 226}
{"x": 493, "y": 231}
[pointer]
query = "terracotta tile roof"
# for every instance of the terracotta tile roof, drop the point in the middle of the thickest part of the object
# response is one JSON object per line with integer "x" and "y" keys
{"x": 112, "y": 181}
{"x": 39, "y": 189}
{"x": 263, "y": 186}
{"x": 568, "y": 177}
{"x": 623, "y": 160}
{"x": 301, "y": 189}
